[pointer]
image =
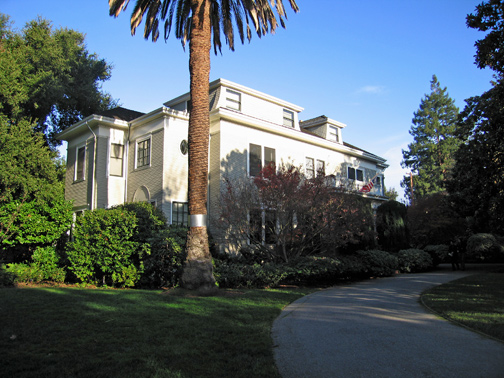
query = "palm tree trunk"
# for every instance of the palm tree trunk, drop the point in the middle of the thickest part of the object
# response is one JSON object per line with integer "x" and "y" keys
{"x": 198, "y": 269}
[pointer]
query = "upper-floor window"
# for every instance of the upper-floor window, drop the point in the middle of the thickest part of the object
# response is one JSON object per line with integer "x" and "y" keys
{"x": 258, "y": 160}
{"x": 143, "y": 153}
{"x": 309, "y": 168}
{"x": 233, "y": 100}
{"x": 333, "y": 133}
{"x": 288, "y": 118}
{"x": 355, "y": 174}
{"x": 116, "y": 159}
{"x": 80, "y": 163}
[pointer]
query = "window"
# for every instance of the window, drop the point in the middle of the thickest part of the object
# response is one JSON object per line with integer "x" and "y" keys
{"x": 116, "y": 159}
{"x": 320, "y": 168}
{"x": 288, "y": 118}
{"x": 360, "y": 175}
{"x": 180, "y": 213}
{"x": 260, "y": 220}
{"x": 333, "y": 133}
{"x": 80, "y": 163}
{"x": 309, "y": 168}
{"x": 233, "y": 100}
{"x": 143, "y": 153}
{"x": 355, "y": 174}
{"x": 378, "y": 181}
{"x": 256, "y": 158}
{"x": 269, "y": 227}
{"x": 255, "y": 226}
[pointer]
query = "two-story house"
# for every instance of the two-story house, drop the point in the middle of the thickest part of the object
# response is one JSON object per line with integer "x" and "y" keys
{"x": 125, "y": 156}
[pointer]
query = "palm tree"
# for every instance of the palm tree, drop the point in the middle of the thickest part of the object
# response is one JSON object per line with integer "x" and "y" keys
{"x": 196, "y": 22}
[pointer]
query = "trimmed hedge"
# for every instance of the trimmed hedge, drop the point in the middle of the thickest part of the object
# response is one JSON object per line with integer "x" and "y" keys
{"x": 414, "y": 260}
{"x": 379, "y": 263}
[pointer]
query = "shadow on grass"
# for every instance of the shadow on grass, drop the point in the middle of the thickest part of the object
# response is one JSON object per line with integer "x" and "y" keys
{"x": 68, "y": 332}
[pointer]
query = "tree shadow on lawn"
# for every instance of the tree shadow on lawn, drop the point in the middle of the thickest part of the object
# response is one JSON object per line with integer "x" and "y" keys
{"x": 68, "y": 332}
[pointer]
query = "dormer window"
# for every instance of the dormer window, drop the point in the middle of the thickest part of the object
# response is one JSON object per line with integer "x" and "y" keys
{"x": 333, "y": 134}
{"x": 233, "y": 100}
{"x": 288, "y": 118}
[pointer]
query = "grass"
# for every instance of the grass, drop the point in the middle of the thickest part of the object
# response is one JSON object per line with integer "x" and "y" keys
{"x": 476, "y": 302}
{"x": 76, "y": 332}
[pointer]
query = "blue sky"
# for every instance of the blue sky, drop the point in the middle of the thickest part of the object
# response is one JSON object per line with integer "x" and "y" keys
{"x": 365, "y": 63}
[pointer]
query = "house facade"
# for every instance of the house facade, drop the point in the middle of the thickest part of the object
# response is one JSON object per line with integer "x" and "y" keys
{"x": 125, "y": 156}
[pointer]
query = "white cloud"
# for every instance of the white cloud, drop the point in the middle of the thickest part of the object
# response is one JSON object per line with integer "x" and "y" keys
{"x": 372, "y": 89}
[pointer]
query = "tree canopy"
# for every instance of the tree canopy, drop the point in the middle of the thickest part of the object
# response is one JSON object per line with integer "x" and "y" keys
{"x": 48, "y": 76}
{"x": 430, "y": 156}
{"x": 476, "y": 187}
{"x": 32, "y": 205}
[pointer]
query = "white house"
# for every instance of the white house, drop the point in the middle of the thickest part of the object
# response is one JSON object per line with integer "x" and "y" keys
{"x": 123, "y": 156}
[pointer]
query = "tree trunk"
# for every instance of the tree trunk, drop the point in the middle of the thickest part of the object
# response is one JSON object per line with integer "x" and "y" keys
{"x": 198, "y": 269}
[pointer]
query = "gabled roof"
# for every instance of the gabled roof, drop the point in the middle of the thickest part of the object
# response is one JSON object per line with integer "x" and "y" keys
{"x": 121, "y": 114}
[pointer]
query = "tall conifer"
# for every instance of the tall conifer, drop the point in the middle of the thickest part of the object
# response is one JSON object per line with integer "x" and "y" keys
{"x": 430, "y": 156}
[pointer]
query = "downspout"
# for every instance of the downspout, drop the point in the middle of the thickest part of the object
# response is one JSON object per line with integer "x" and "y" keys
{"x": 125, "y": 166}
{"x": 93, "y": 186}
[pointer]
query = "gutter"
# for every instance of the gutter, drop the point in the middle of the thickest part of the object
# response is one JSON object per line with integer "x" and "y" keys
{"x": 93, "y": 186}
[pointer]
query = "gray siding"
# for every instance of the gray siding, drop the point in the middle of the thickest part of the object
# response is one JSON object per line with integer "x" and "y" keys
{"x": 151, "y": 177}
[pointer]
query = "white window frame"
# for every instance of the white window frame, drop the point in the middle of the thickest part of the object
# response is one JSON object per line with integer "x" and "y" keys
{"x": 116, "y": 158}
{"x": 233, "y": 100}
{"x": 76, "y": 177}
{"x": 333, "y": 134}
{"x": 141, "y": 140}
{"x": 309, "y": 167}
{"x": 320, "y": 168}
{"x": 173, "y": 213}
{"x": 288, "y": 118}
{"x": 262, "y": 157}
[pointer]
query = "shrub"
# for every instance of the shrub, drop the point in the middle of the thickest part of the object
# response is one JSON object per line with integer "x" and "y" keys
{"x": 378, "y": 263}
{"x": 438, "y": 253}
{"x": 6, "y": 278}
{"x": 414, "y": 260}
{"x": 44, "y": 267}
{"x": 162, "y": 265}
{"x": 391, "y": 225}
{"x": 484, "y": 247}
{"x": 235, "y": 274}
{"x": 314, "y": 270}
{"x": 103, "y": 250}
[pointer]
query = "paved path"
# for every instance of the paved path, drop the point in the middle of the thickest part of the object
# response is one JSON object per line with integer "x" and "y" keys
{"x": 377, "y": 328}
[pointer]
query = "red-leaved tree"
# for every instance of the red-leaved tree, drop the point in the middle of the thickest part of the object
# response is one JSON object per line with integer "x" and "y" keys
{"x": 283, "y": 215}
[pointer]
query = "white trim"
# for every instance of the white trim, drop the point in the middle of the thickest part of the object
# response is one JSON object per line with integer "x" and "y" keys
{"x": 76, "y": 164}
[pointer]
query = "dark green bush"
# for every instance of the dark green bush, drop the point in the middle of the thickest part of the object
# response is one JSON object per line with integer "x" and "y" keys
{"x": 7, "y": 279}
{"x": 484, "y": 247}
{"x": 44, "y": 267}
{"x": 162, "y": 265}
{"x": 235, "y": 274}
{"x": 391, "y": 226}
{"x": 314, "y": 270}
{"x": 103, "y": 250}
{"x": 438, "y": 253}
{"x": 378, "y": 263}
{"x": 414, "y": 260}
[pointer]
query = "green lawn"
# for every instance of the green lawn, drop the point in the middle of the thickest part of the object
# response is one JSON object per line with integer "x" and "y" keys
{"x": 474, "y": 301}
{"x": 72, "y": 332}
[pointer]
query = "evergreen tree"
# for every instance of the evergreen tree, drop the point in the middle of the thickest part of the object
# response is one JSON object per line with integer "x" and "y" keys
{"x": 48, "y": 76}
{"x": 477, "y": 184}
{"x": 431, "y": 155}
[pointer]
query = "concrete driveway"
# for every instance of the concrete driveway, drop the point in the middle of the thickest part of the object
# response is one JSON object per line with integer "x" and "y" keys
{"x": 377, "y": 328}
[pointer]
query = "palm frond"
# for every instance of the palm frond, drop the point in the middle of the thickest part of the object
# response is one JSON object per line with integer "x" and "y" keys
{"x": 116, "y": 6}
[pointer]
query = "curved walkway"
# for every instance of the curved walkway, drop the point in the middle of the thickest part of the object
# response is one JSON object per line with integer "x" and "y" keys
{"x": 377, "y": 328}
